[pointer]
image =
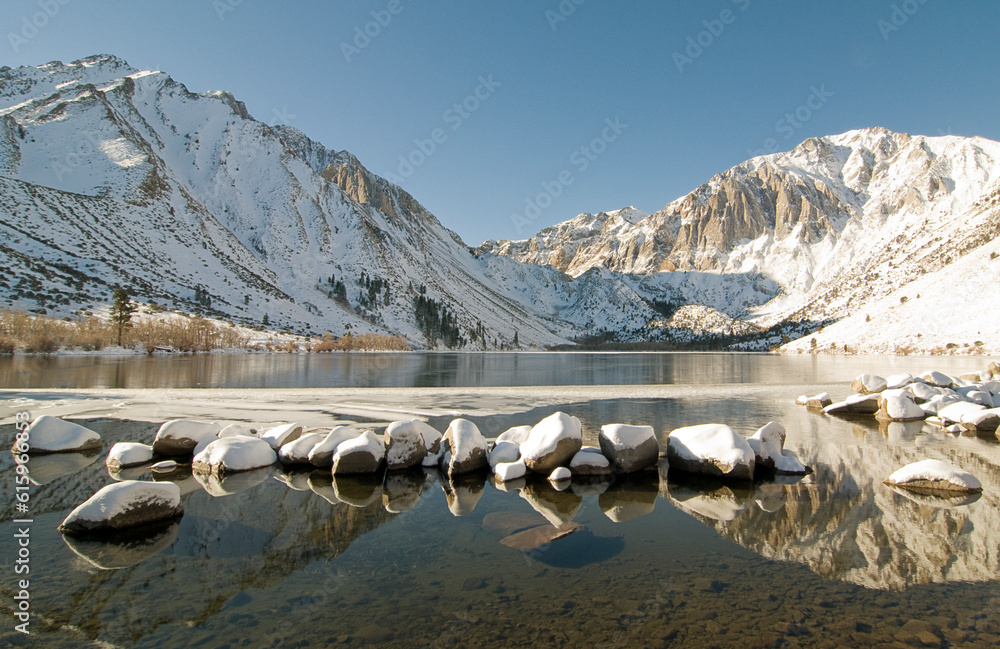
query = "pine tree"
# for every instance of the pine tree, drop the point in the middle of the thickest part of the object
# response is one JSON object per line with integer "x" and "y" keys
{"x": 121, "y": 312}
{"x": 266, "y": 321}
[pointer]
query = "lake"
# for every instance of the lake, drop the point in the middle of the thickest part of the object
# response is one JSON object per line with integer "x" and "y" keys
{"x": 296, "y": 559}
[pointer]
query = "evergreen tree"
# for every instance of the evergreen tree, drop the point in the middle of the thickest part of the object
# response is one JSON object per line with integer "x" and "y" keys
{"x": 122, "y": 310}
{"x": 266, "y": 321}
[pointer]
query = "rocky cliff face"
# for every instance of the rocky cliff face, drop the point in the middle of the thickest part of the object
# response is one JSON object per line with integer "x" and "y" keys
{"x": 837, "y": 223}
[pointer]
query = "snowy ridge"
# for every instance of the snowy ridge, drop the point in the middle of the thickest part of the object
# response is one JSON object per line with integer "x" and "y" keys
{"x": 111, "y": 175}
{"x": 830, "y": 229}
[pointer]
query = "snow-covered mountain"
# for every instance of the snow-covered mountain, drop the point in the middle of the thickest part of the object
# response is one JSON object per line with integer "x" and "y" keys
{"x": 111, "y": 175}
{"x": 849, "y": 228}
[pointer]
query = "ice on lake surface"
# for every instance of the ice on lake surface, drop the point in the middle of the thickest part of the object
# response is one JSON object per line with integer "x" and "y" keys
{"x": 281, "y": 558}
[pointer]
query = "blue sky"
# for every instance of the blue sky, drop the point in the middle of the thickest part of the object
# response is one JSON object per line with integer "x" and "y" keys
{"x": 582, "y": 106}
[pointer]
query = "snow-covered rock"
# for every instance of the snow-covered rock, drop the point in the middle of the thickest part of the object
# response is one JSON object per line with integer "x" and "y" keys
{"x": 629, "y": 448}
{"x": 552, "y": 443}
{"x": 404, "y": 444}
{"x": 234, "y": 455}
{"x": 181, "y": 437}
{"x": 363, "y": 454}
{"x": 126, "y": 454}
{"x": 560, "y": 473}
{"x": 237, "y": 430}
{"x": 858, "y": 404}
{"x": 517, "y": 435}
{"x": 297, "y": 452}
{"x": 936, "y": 475}
{"x": 712, "y": 449}
{"x": 278, "y": 436}
{"x": 937, "y": 379}
{"x": 982, "y": 421}
{"x": 507, "y": 471}
{"x": 954, "y": 412}
{"x": 503, "y": 451}
{"x": 124, "y": 505}
{"x": 589, "y": 463}
{"x": 48, "y": 434}
{"x": 899, "y": 407}
{"x": 321, "y": 455}
{"x": 464, "y": 448}
{"x": 896, "y": 381}
{"x": 768, "y": 447}
{"x": 819, "y": 401}
{"x": 868, "y": 384}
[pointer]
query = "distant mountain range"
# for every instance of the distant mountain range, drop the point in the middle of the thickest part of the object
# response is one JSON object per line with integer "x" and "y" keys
{"x": 111, "y": 175}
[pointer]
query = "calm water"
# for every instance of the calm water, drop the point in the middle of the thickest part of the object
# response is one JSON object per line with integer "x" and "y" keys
{"x": 450, "y": 369}
{"x": 295, "y": 560}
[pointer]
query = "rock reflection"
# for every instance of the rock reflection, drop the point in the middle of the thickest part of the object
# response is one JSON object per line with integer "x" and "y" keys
{"x": 124, "y": 550}
{"x": 44, "y": 469}
{"x": 403, "y": 490}
{"x": 463, "y": 491}
{"x": 557, "y": 507}
{"x": 357, "y": 490}
{"x": 631, "y": 496}
{"x": 129, "y": 473}
{"x": 233, "y": 483}
{"x": 843, "y": 523}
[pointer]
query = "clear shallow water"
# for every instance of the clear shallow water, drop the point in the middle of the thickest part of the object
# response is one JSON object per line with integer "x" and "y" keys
{"x": 273, "y": 559}
{"x": 451, "y": 369}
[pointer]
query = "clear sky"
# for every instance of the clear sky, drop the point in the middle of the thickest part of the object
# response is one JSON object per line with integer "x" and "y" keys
{"x": 582, "y": 106}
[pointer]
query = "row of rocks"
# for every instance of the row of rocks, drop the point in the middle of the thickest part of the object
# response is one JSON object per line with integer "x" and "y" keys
{"x": 967, "y": 403}
{"x": 552, "y": 448}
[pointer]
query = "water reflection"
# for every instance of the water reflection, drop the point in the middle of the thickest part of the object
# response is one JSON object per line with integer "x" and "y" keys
{"x": 269, "y": 371}
{"x": 252, "y": 549}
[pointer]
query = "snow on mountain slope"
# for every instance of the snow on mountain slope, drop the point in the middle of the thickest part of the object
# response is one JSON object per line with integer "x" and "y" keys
{"x": 816, "y": 234}
{"x": 114, "y": 175}
{"x": 111, "y": 175}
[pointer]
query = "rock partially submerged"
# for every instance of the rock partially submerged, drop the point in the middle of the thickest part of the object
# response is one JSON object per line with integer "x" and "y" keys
{"x": 464, "y": 448}
{"x": 128, "y": 454}
{"x": 768, "y": 447}
{"x": 858, "y": 404}
{"x": 280, "y": 435}
{"x": 552, "y": 443}
{"x": 935, "y": 475}
{"x": 48, "y": 434}
{"x": 363, "y": 454}
{"x": 408, "y": 443}
{"x": 124, "y": 505}
{"x": 180, "y": 437}
{"x": 869, "y": 384}
{"x": 899, "y": 407}
{"x": 712, "y": 449}
{"x": 297, "y": 452}
{"x": 629, "y": 448}
{"x": 321, "y": 455}
{"x": 588, "y": 463}
{"x": 233, "y": 455}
